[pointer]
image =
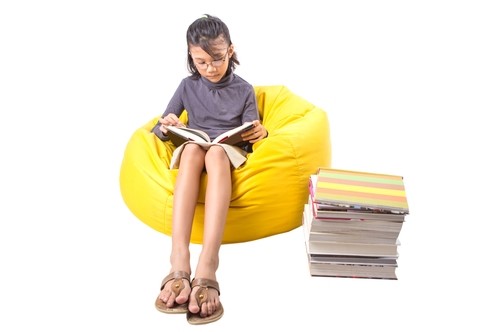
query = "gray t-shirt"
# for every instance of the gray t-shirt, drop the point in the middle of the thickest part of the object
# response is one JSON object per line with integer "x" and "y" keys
{"x": 213, "y": 107}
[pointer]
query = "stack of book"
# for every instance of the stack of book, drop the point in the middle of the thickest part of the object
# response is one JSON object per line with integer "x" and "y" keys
{"x": 352, "y": 222}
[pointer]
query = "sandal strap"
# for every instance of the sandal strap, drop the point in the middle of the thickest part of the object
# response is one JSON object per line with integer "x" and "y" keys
{"x": 202, "y": 293}
{"x": 177, "y": 275}
{"x": 206, "y": 283}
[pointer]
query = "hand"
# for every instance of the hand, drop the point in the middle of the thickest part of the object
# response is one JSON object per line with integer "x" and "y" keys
{"x": 170, "y": 120}
{"x": 255, "y": 134}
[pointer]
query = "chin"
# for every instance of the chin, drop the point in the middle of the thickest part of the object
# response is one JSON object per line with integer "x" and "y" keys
{"x": 215, "y": 79}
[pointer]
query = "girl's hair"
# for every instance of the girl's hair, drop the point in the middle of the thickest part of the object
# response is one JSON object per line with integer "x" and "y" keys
{"x": 203, "y": 32}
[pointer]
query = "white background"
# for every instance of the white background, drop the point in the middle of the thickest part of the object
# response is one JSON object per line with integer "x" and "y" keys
{"x": 410, "y": 88}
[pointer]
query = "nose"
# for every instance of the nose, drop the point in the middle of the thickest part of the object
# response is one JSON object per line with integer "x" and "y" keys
{"x": 210, "y": 68}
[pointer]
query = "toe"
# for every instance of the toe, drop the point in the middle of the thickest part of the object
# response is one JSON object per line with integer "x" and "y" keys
{"x": 209, "y": 307}
{"x": 184, "y": 294}
{"x": 164, "y": 295}
{"x": 193, "y": 306}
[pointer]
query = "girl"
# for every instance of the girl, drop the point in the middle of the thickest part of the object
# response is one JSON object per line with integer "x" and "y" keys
{"x": 216, "y": 100}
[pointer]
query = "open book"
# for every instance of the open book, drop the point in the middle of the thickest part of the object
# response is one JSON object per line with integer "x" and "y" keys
{"x": 180, "y": 135}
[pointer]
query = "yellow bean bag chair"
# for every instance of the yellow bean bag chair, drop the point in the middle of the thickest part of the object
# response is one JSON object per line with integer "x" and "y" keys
{"x": 269, "y": 190}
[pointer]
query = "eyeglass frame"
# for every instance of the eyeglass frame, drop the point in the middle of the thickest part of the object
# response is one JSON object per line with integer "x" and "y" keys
{"x": 205, "y": 65}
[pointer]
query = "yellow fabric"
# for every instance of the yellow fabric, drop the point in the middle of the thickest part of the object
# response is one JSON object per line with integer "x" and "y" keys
{"x": 269, "y": 190}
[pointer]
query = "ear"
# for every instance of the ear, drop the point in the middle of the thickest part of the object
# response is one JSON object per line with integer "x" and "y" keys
{"x": 231, "y": 50}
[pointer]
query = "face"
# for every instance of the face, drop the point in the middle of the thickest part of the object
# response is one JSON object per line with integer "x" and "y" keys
{"x": 212, "y": 68}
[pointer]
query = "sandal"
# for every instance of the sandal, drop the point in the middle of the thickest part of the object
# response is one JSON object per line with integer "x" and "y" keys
{"x": 176, "y": 287}
{"x": 201, "y": 297}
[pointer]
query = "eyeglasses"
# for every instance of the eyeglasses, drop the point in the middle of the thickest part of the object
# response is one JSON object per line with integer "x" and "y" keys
{"x": 214, "y": 63}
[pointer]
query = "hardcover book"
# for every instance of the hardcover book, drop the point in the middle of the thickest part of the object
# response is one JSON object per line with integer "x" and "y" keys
{"x": 344, "y": 242}
{"x": 345, "y": 189}
{"x": 353, "y": 267}
{"x": 180, "y": 135}
{"x": 351, "y": 224}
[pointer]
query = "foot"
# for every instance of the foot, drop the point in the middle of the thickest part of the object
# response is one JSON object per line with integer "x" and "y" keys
{"x": 175, "y": 291}
{"x": 204, "y": 305}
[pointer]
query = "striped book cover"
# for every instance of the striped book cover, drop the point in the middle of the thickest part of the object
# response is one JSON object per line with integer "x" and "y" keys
{"x": 361, "y": 190}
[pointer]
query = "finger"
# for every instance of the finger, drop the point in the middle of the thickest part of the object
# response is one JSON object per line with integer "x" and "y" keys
{"x": 169, "y": 119}
{"x": 175, "y": 119}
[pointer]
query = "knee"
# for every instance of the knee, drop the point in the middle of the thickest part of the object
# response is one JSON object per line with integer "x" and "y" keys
{"x": 193, "y": 154}
{"x": 216, "y": 155}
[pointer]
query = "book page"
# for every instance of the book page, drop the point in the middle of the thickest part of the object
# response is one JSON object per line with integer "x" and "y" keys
{"x": 188, "y": 134}
{"x": 233, "y": 136}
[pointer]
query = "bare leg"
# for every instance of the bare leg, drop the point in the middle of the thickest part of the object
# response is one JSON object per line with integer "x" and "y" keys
{"x": 184, "y": 202}
{"x": 218, "y": 194}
